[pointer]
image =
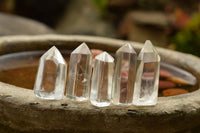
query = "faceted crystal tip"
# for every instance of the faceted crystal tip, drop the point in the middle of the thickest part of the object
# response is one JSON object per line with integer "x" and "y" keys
{"x": 53, "y": 52}
{"x": 82, "y": 49}
{"x": 148, "y": 48}
{"x": 127, "y": 48}
{"x": 105, "y": 57}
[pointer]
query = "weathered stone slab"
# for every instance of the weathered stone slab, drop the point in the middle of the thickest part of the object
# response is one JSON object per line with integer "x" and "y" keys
{"x": 22, "y": 111}
{"x": 15, "y": 25}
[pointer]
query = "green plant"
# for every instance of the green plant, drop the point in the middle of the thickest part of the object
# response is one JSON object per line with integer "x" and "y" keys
{"x": 102, "y": 5}
{"x": 188, "y": 39}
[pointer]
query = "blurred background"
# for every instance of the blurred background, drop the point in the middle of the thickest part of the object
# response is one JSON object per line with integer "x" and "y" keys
{"x": 173, "y": 24}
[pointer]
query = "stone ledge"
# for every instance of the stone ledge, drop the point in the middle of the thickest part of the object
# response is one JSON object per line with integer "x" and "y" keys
{"x": 22, "y": 111}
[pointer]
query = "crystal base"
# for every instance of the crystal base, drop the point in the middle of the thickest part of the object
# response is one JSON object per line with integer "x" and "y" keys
{"x": 100, "y": 104}
{"x": 76, "y": 98}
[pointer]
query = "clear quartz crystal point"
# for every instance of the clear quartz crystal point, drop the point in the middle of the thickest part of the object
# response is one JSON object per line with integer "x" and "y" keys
{"x": 147, "y": 76}
{"x": 124, "y": 76}
{"x": 51, "y": 76}
{"x": 80, "y": 67}
{"x": 102, "y": 80}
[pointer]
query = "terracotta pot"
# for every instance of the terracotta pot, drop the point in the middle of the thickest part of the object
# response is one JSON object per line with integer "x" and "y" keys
{"x": 22, "y": 111}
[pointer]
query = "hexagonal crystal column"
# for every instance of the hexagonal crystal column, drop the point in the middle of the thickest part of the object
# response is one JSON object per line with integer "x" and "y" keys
{"x": 124, "y": 77}
{"x": 102, "y": 80}
{"x": 78, "y": 84}
{"x": 147, "y": 76}
{"x": 51, "y": 76}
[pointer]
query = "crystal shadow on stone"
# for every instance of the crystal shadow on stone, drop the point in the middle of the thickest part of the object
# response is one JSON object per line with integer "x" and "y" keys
{"x": 80, "y": 67}
{"x": 147, "y": 76}
{"x": 51, "y": 76}
{"x": 102, "y": 80}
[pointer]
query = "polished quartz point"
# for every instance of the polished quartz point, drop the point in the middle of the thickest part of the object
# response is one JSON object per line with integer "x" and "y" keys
{"x": 102, "y": 80}
{"x": 80, "y": 66}
{"x": 147, "y": 76}
{"x": 51, "y": 76}
{"x": 124, "y": 76}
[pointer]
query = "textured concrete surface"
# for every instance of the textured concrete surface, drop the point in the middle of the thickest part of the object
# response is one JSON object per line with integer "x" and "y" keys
{"x": 22, "y": 111}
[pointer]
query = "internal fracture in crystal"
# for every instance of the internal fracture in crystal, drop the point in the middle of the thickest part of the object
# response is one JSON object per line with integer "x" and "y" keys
{"x": 80, "y": 66}
{"x": 51, "y": 76}
{"x": 102, "y": 80}
{"x": 124, "y": 76}
{"x": 147, "y": 76}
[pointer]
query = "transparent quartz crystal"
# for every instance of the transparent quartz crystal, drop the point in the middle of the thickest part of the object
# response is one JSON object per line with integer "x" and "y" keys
{"x": 102, "y": 80}
{"x": 124, "y": 76}
{"x": 51, "y": 76}
{"x": 147, "y": 76}
{"x": 80, "y": 66}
